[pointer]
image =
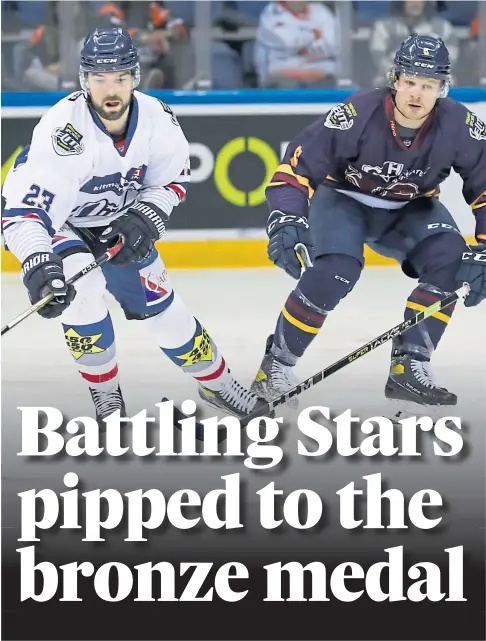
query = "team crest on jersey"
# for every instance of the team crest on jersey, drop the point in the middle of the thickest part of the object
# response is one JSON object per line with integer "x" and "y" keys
{"x": 67, "y": 141}
{"x": 169, "y": 111}
{"x": 391, "y": 171}
{"x": 399, "y": 182}
{"x": 477, "y": 128}
{"x": 341, "y": 116}
{"x": 117, "y": 183}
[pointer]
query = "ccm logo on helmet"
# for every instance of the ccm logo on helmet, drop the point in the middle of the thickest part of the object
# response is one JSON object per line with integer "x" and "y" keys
{"x": 425, "y": 65}
{"x": 104, "y": 61}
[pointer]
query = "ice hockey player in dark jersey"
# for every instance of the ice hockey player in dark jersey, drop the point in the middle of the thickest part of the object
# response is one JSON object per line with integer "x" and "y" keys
{"x": 368, "y": 173}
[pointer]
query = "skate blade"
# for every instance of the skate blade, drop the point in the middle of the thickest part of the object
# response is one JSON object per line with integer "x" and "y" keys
{"x": 399, "y": 410}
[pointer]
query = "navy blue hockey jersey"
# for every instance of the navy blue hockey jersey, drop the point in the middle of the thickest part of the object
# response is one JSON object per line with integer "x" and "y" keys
{"x": 356, "y": 148}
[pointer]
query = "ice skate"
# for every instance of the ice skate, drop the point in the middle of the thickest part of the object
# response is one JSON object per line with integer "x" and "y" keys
{"x": 107, "y": 402}
{"x": 274, "y": 378}
{"x": 412, "y": 391}
{"x": 234, "y": 399}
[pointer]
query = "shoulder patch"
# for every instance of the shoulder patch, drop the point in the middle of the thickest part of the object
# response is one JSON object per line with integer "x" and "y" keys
{"x": 341, "y": 116}
{"x": 67, "y": 141}
{"x": 477, "y": 128}
{"x": 75, "y": 96}
{"x": 169, "y": 111}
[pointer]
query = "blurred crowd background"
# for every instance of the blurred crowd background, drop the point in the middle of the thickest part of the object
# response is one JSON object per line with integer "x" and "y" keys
{"x": 217, "y": 44}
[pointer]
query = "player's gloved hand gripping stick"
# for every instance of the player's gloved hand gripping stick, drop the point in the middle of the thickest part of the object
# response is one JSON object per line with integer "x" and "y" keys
{"x": 304, "y": 259}
{"x": 104, "y": 258}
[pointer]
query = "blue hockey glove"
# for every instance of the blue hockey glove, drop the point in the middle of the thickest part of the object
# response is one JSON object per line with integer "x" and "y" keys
{"x": 42, "y": 274}
{"x": 473, "y": 271}
{"x": 284, "y": 232}
{"x": 140, "y": 226}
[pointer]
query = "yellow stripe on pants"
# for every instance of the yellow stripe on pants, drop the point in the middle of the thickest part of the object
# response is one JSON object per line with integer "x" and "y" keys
{"x": 439, "y": 315}
{"x": 299, "y": 324}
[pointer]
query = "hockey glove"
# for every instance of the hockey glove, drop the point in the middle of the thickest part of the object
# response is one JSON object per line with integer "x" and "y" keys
{"x": 140, "y": 226}
{"x": 473, "y": 271}
{"x": 42, "y": 273}
{"x": 284, "y": 232}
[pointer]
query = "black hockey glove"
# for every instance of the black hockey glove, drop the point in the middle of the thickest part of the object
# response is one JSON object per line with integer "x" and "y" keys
{"x": 473, "y": 271}
{"x": 42, "y": 273}
{"x": 140, "y": 226}
{"x": 284, "y": 232}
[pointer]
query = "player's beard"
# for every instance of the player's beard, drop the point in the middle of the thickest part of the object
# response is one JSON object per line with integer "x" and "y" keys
{"x": 110, "y": 114}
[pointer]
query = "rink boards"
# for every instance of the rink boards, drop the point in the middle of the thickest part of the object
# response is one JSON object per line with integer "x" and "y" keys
{"x": 236, "y": 141}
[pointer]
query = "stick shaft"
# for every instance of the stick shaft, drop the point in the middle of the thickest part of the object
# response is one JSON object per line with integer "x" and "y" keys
{"x": 104, "y": 258}
{"x": 360, "y": 352}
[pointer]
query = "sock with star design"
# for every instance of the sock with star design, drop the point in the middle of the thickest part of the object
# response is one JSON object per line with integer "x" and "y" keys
{"x": 184, "y": 340}
{"x": 93, "y": 348}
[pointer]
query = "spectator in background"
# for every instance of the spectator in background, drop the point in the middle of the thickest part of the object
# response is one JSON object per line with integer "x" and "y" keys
{"x": 471, "y": 51}
{"x": 297, "y": 45}
{"x": 40, "y": 65}
{"x": 407, "y": 17}
{"x": 149, "y": 23}
{"x": 154, "y": 31}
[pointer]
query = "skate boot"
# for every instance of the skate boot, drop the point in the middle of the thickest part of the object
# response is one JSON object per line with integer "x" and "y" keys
{"x": 412, "y": 390}
{"x": 274, "y": 378}
{"x": 106, "y": 402}
{"x": 233, "y": 399}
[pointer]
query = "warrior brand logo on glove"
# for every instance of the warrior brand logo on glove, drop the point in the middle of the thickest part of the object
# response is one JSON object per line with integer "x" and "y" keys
{"x": 34, "y": 261}
{"x": 152, "y": 215}
{"x": 140, "y": 226}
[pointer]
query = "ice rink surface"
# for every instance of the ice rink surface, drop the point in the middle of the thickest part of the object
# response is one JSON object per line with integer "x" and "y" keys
{"x": 239, "y": 309}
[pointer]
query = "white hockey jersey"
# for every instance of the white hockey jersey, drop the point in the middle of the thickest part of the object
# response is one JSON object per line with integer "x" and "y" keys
{"x": 73, "y": 170}
{"x": 307, "y": 41}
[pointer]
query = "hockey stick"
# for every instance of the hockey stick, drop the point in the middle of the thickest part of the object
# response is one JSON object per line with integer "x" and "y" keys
{"x": 346, "y": 360}
{"x": 104, "y": 258}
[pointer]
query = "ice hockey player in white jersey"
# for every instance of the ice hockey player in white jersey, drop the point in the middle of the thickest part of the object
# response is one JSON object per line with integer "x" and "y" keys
{"x": 105, "y": 162}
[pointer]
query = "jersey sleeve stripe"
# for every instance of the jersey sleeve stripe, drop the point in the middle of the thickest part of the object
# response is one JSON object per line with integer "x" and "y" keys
{"x": 178, "y": 189}
{"x": 17, "y": 215}
{"x": 285, "y": 173}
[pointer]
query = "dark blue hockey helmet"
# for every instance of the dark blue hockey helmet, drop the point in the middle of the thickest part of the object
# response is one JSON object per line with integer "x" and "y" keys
{"x": 423, "y": 56}
{"x": 106, "y": 50}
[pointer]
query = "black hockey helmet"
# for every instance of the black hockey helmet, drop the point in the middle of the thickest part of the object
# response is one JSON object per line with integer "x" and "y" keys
{"x": 423, "y": 56}
{"x": 106, "y": 50}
